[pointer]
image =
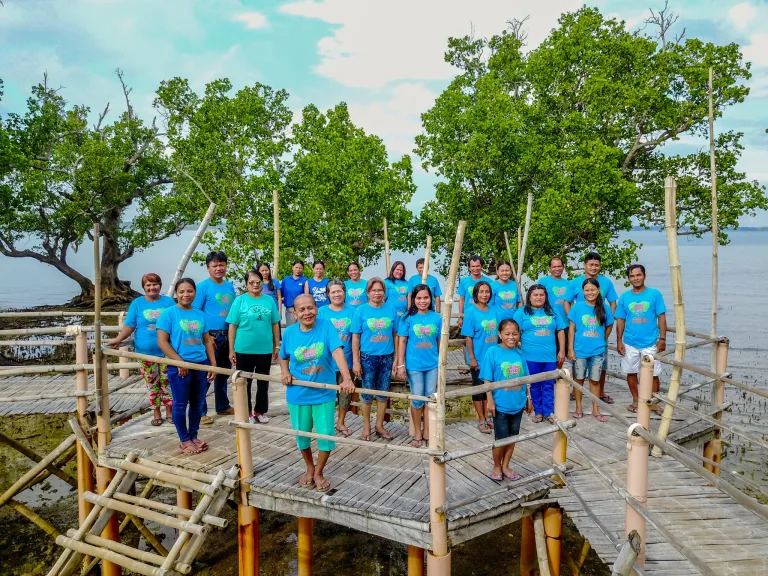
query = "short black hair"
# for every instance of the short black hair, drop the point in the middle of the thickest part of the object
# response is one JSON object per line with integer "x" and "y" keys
{"x": 316, "y": 262}
{"x": 555, "y": 258}
{"x": 419, "y": 261}
{"x": 476, "y": 258}
{"x": 633, "y": 266}
{"x": 592, "y": 256}
{"x": 215, "y": 255}
{"x": 181, "y": 281}
{"x": 351, "y": 264}
{"x": 298, "y": 262}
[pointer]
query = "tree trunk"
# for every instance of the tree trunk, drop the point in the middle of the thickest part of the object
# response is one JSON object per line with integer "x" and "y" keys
{"x": 113, "y": 290}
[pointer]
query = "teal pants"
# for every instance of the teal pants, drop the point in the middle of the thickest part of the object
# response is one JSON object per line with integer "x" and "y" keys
{"x": 320, "y": 416}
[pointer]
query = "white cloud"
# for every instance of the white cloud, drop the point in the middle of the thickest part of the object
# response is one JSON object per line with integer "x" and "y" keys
{"x": 378, "y": 42}
{"x": 742, "y": 15}
{"x": 757, "y": 50}
{"x": 252, "y": 20}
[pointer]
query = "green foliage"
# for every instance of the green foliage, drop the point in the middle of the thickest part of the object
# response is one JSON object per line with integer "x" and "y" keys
{"x": 580, "y": 121}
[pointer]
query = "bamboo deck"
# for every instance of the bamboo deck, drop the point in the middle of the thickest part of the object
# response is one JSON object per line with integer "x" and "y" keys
{"x": 131, "y": 394}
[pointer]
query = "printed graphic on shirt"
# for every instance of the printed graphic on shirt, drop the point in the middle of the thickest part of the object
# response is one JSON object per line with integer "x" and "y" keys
{"x": 638, "y": 309}
{"x": 354, "y": 295}
{"x": 507, "y": 297}
{"x": 225, "y": 301}
{"x": 260, "y": 312}
{"x": 542, "y": 323}
{"x": 511, "y": 370}
{"x": 559, "y": 291}
{"x": 422, "y": 332}
{"x": 379, "y": 326}
{"x": 311, "y": 355}
{"x": 489, "y": 327}
{"x": 193, "y": 329}
{"x": 151, "y": 316}
{"x": 342, "y": 324}
{"x": 590, "y": 322}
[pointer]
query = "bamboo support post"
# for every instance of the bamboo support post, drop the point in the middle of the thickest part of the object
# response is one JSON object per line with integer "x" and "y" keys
{"x": 670, "y": 218}
{"x": 110, "y": 558}
{"x": 83, "y": 443}
{"x": 192, "y": 245}
{"x": 521, "y": 257}
{"x": 129, "y": 551}
{"x": 183, "y": 505}
{"x": 527, "y": 548}
{"x": 85, "y": 480}
{"x": 562, "y": 402}
{"x": 715, "y": 224}
{"x": 415, "y": 561}
{"x": 276, "y": 226}
{"x": 627, "y": 555}
{"x": 247, "y": 515}
{"x": 553, "y": 528}
{"x": 637, "y": 486}
{"x": 306, "y": 546}
{"x": 36, "y": 458}
{"x": 427, "y": 254}
{"x": 511, "y": 259}
{"x": 645, "y": 391}
{"x": 35, "y": 518}
{"x": 387, "y": 261}
{"x": 203, "y": 477}
{"x": 541, "y": 544}
{"x": 713, "y": 449}
{"x": 579, "y": 562}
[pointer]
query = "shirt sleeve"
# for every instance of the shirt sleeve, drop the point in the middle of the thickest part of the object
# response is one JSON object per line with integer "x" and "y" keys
{"x": 518, "y": 317}
{"x": 357, "y": 322}
{"x": 282, "y": 352}
{"x": 661, "y": 308}
{"x": 462, "y": 291}
{"x": 468, "y": 328}
{"x": 164, "y": 322}
{"x": 570, "y": 292}
{"x": 233, "y": 316}
{"x": 572, "y": 316}
{"x": 608, "y": 316}
{"x": 199, "y": 300}
{"x": 332, "y": 337}
{"x": 560, "y": 323}
{"x": 438, "y": 291}
{"x": 611, "y": 295}
{"x": 131, "y": 318}
{"x": 621, "y": 313}
{"x": 404, "y": 326}
{"x": 275, "y": 313}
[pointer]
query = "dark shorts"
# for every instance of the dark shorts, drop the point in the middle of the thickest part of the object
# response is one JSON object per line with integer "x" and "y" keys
{"x": 476, "y": 382}
{"x": 506, "y": 425}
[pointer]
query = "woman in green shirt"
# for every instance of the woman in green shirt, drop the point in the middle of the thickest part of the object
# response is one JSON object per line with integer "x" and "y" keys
{"x": 254, "y": 339}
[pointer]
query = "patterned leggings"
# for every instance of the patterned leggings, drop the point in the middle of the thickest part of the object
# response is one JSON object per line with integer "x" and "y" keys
{"x": 156, "y": 379}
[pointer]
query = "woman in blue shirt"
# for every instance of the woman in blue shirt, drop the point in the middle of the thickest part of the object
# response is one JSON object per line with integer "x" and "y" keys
{"x": 504, "y": 362}
{"x": 311, "y": 351}
{"x": 271, "y": 287}
{"x": 340, "y": 314}
{"x": 355, "y": 286}
{"x": 542, "y": 331}
{"x": 417, "y": 352}
{"x": 142, "y": 317}
{"x": 317, "y": 285}
{"x": 505, "y": 296}
{"x": 182, "y": 334}
{"x": 480, "y": 331}
{"x": 374, "y": 331}
{"x": 396, "y": 287}
{"x": 591, "y": 322}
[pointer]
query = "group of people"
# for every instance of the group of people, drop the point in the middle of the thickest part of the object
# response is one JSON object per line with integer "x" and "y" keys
{"x": 369, "y": 330}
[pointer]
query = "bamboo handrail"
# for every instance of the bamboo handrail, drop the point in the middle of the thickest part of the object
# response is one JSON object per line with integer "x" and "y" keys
{"x": 53, "y": 342}
{"x": 337, "y": 439}
{"x": 513, "y": 384}
{"x": 255, "y": 375}
{"x": 53, "y": 330}
{"x": 53, "y": 313}
{"x": 168, "y": 508}
{"x": 125, "y": 550}
{"x": 203, "y": 477}
{"x": 544, "y": 431}
{"x": 63, "y": 368}
{"x": 715, "y": 376}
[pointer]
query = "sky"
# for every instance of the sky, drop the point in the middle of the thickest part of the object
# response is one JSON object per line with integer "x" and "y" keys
{"x": 384, "y": 58}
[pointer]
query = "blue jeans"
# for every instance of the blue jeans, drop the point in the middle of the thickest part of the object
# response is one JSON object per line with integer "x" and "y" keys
{"x": 187, "y": 391}
{"x": 506, "y": 425}
{"x": 221, "y": 401}
{"x": 377, "y": 371}
{"x": 542, "y": 393}
{"x": 589, "y": 368}
{"x": 422, "y": 383}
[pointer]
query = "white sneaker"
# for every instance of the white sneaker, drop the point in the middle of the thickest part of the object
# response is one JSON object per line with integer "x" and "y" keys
{"x": 263, "y": 418}
{"x": 251, "y": 420}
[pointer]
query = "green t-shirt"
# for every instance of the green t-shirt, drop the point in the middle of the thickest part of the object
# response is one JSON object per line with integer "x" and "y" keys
{"x": 254, "y": 318}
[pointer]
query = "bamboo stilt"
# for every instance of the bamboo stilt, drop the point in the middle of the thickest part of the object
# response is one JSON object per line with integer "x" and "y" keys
{"x": 247, "y": 515}
{"x": 645, "y": 391}
{"x": 276, "y": 225}
{"x": 579, "y": 562}
{"x": 627, "y": 555}
{"x": 85, "y": 480}
{"x": 35, "y": 518}
{"x": 713, "y": 450}
{"x": 387, "y": 261}
{"x": 670, "y": 218}
{"x": 715, "y": 225}
{"x": 553, "y": 528}
{"x": 559, "y": 439}
{"x": 527, "y": 548}
{"x": 193, "y": 244}
{"x": 541, "y": 544}
{"x": 111, "y": 531}
{"x": 306, "y": 546}
{"x": 425, "y": 270}
{"x": 415, "y": 561}
{"x": 637, "y": 486}
{"x": 183, "y": 502}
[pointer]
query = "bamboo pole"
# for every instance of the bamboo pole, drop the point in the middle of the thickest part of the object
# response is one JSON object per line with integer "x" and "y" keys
{"x": 553, "y": 528}
{"x": 715, "y": 376}
{"x": 276, "y": 225}
{"x": 511, "y": 384}
{"x": 53, "y": 330}
{"x": 521, "y": 258}
{"x": 192, "y": 245}
{"x": 203, "y": 477}
{"x": 35, "y": 518}
{"x": 439, "y": 557}
{"x": 129, "y": 551}
{"x": 715, "y": 225}
{"x": 387, "y": 262}
{"x": 110, "y": 558}
{"x": 511, "y": 259}
{"x": 415, "y": 561}
{"x": 519, "y": 243}
{"x": 247, "y": 515}
{"x": 55, "y": 368}
{"x": 183, "y": 508}
{"x": 637, "y": 486}
{"x": 670, "y": 217}
{"x": 627, "y": 555}
{"x": 124, "y": 372}
{"x": 306, "y": 546}
{"x": 167, "y": 477}
{"x": 425, "y": 270}
{"x": 541, "y": 544}
{"x": 527, "y": 548}
{"x": 713, "y": 449}
{"x": 53, "y": 314}
{"x": 36, "y": 458}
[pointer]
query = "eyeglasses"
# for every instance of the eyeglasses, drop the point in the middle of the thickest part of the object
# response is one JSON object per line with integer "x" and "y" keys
{"x": 255, "y": 283}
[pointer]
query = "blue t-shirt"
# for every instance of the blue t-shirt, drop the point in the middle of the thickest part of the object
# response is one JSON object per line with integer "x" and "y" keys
{"x": 483, "y": 328}
{"x": 466, "y": 286}
{"x": 342, "y": 321}
{"x": 423, "y": 333}
{"x": 505, "y": 299}
{"x": 214, "y": 300}
{"x": 310, "y": 356}
{"x": 397, "y": 295}
{"x": 590, "y": 336}
{"x": 356, "y": 294}
{"x": 539, "y": 334}
{"x": 318, "y": 291}
{"x": 576, "y": 290}
{"x": 291, "y": 288}
{"x": 271, "y": 293}
{"x": 377, "y": 328}
{"x": 185, "y": 329}
{"x": 505, "y": 364}
{"x": 639, "y": 312}
{"x": 142, "y": 317}
{"x": 432, "y": 282}
{"x": 557, "y": 290}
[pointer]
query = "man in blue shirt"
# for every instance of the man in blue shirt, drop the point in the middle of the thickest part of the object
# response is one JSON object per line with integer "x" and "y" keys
{"x": 432, "y": 283}
{"x": 641, "y": 328}
{"x": 293, "y": 286}
{"x": 575, "y": 293}
{"x": 214, "y": 298}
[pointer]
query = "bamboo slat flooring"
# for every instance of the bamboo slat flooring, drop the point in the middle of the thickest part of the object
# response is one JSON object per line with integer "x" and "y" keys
{"x": 127, "y": 398}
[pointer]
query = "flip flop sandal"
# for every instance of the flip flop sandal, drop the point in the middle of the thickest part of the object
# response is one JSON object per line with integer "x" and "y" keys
{"x": 578, "y": 415}
{"x": 497, "y": 476}
{"x": 189, "y": 450}
{"x": 600, "y": 417}
{"x": 484, "y": 428}
{"x": 156, "y": 421}
{"x": 631, "y": 408}
{"x": 324, "y": 487}
{"x": 538, "y": 418}
{"x": 385, "y": 436}
{"x": 365, "y": 437}
{"x": 306, "y": 484}
{"x": 169, "y": 420}
{"x": 416, "y": 443}
{"x": 490, "y": 424}
{"x": 607, "y": 399}
{"x": 346, "y": 432}
{"x": 514, "y": 476}
{"x": 551, "y": 419}
{"x": 201, "y": 444}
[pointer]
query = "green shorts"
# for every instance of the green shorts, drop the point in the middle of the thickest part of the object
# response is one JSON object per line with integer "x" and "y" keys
{"x": 320, "y": 416}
